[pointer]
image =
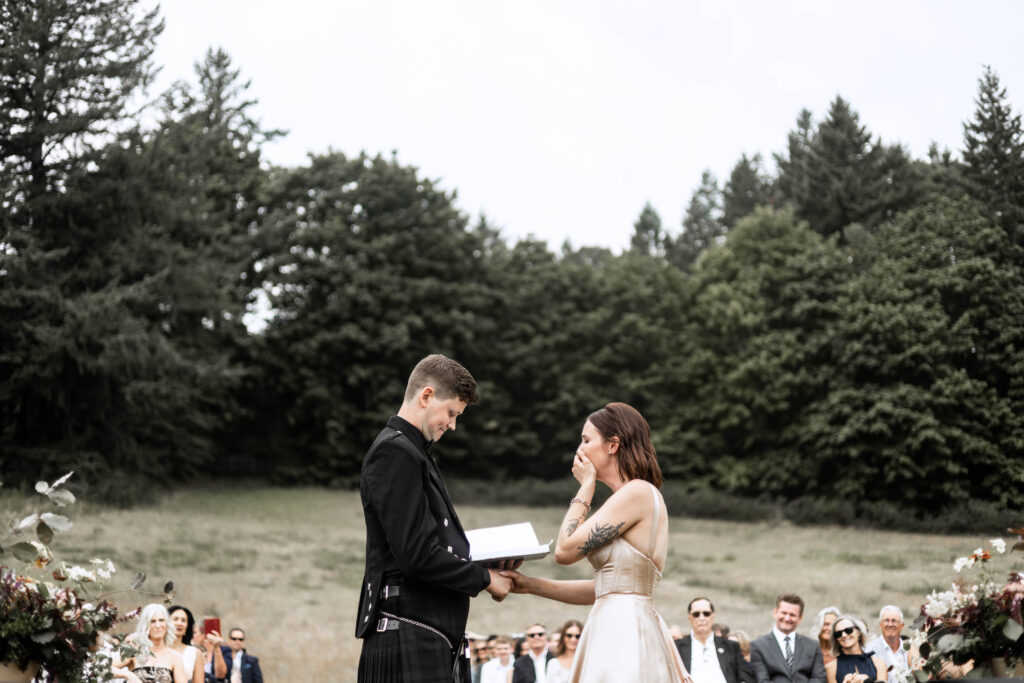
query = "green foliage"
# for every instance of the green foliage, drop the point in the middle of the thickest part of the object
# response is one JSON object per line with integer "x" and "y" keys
{"x": 746, "y": 189}
{"x": 702, "y": 224}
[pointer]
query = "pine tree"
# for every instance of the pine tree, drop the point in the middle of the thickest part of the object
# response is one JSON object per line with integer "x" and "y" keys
{"x": 647, "y": 235}
{"x": 994, "y": 156}
{"x": 792, "y": 183}
{"x": 702, "y": 225}
{"x": 746, "y": 190}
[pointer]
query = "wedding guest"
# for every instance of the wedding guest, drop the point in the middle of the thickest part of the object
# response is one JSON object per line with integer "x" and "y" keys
{"x": 889, "y": 645}
{"x": 499, "y": 668}
{"x": 720, "y": 630}
{"x": 822, "y": 631}
{"x": 214, "y": 667}
{"x": 560, "y": 666}
{"x": 163, "y": 665}
{"x": 710, "y": 658}
{"x": 183, "y": 626}
{"x": 481, "y": 654}
{"x": 742, "y": 639}
{"x": 242, "y": 667}
{"x": 532, "y": 667}
{"x": 553, "y": 639}
{"x": 783, "y": 655}
{"x": 852, "y": 663}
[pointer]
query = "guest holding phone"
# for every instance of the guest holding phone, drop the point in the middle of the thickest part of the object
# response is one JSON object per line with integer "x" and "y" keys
{"x": 207, "y": 639}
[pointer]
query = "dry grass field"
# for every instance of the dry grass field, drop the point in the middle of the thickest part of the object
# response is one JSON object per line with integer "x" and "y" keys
{"x": 286, "y": 564}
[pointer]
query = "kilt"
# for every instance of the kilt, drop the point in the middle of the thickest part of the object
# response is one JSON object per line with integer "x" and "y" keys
{"x": 410, "y": 655}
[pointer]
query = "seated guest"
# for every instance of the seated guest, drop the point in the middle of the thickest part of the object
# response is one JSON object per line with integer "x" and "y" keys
{"x": 710, "y": 658}
{"x": 889, "y": 645}
{"x": 852, "y": 663}
{"x": 822, "y": 631}
{"x": 242, "y": 666}
{"x": 743, "y": 640}
{"x": 183, "y": 626}
{"x": 481, "y": 654}
{"x": 784, "y": 656}
{"x": 497, "y": 669}
{"x": 560, "y": 666}
{"x": 532, "y": 666}
{"x": 720, "y": 630}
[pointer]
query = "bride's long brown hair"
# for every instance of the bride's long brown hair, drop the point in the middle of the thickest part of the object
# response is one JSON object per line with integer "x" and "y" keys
{"x": 636, "y": 456}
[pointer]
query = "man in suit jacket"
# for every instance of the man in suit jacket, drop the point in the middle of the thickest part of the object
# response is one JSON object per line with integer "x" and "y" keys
{"x": 784, "y": 656}
{"x": 418, "y": 580}
{"x": 242, "y": 666}
{"x": 532, "y": 666}
{"x": 710, "y": 658}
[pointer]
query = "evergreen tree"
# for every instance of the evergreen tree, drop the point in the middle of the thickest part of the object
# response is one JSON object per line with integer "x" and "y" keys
{"x": 793, "y": 183}
{"x": 702, "y": 225}
{"x": 746, "y": 190}
{"x": 994, "y": 156}
{"x": 647, "y": 236}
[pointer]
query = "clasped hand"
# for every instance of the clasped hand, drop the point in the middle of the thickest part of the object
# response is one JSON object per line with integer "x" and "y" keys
{"x": 501, "y": 583}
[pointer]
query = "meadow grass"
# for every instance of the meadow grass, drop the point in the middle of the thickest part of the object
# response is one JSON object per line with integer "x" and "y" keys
{"x": 286, "y": 565}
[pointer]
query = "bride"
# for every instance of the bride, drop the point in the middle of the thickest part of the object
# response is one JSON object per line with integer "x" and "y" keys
{"x": 626, "y": 541}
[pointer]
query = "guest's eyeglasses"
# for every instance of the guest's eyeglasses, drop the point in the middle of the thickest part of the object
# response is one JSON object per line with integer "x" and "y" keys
{"x": 536, "y": 635}
{"x": 846, "y": 631}
{"x": 570, "y": 635}
{"x": 242, "y": 639}
{"x": 698, "y": 613}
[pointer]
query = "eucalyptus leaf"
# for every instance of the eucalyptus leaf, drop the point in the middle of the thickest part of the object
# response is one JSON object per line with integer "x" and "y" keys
{"x": 26, "y": 552}
{"x": 1012, "y": 629}
{"x": 42, "y": 487}
{"x": 44, "y": 637}
{"x": 61, "y": 497}
{"x": 949, "y": 642}
{"x": 137, "y": 581}
{"x": 44, "y": 533}
{"x": 62, "y": 480}
{"x": 169, "y": 587}
{"x": 27, "y": 522}
{"x": 57, "y": 522}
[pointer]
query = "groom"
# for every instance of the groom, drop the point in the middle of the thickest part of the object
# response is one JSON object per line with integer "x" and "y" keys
{"x": 414, "y": 600}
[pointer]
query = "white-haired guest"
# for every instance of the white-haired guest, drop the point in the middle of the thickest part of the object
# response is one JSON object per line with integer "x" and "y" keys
{"x": 163, "y": 664}
{"x": 889, "y": 645}
{"x": 822, "y": 631}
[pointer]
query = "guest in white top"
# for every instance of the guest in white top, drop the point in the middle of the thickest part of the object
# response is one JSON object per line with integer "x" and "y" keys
{"x": 182, "y": 626}
{"x": 499, "y": 668}
{"x": 560, "y": 666}
{"x": 889, "y": 645}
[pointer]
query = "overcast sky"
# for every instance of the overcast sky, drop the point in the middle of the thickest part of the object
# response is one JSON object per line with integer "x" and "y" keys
{"x": 561, "y": 119}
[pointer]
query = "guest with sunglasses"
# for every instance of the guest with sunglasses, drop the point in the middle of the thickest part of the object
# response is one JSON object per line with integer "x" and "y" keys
{"x": 532, "y": 667}
{"x": 852, "y": 663}
{"x": 560, "y": 666}
{"x": 710, "y": 658}
{"x": 242, "y": 666}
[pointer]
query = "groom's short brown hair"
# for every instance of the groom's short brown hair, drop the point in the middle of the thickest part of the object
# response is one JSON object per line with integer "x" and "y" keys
{"x": 447, "y": 377}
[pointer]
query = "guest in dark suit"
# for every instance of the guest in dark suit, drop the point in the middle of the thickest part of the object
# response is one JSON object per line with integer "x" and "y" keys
{"x": 784, "y": 656}
{"x": 532, "y": 666}
{"x": 242, "y": 666}
{"x": 414, "y": 600}
{"x": 710, "y": 658}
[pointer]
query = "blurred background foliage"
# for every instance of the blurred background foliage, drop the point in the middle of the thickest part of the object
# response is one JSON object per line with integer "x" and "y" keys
{"x": 838, "y": 339}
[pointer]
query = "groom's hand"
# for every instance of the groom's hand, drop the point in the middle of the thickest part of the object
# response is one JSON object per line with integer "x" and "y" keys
{"x": 499, "y": 586}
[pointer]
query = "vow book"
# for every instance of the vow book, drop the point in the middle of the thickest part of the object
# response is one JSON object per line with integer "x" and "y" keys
{"x": 509, "y": 542}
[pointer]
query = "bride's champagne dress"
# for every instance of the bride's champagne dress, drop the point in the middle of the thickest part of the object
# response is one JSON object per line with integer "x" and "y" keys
{"x": 625, "y": 640}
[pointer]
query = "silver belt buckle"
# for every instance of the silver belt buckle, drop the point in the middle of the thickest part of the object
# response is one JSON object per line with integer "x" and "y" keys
{"x": 386, "y": 588}
{"x": 382, "y": 625}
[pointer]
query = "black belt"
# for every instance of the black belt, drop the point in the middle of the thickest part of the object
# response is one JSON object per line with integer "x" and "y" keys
{"x": 386, "y": 624}
{"x": 388, "y": 592}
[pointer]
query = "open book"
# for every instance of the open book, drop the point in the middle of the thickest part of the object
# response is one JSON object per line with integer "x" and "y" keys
{"x": 509, "y": 542}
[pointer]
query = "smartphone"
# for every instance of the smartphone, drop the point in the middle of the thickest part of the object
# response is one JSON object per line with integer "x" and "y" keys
{"x": 211, "y": 624}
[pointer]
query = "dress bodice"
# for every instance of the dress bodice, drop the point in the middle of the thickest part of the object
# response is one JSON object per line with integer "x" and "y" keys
{"x": 154, "y": 674}
{"x": 850, "y": 664}
{"x": 621, "y": 568}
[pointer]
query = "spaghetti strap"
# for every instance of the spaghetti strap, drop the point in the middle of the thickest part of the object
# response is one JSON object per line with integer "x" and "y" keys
{"x": 654, "y": 522}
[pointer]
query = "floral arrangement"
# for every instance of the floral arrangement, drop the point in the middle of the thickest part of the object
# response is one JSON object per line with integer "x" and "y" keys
{"x": 46, "y": 615}
{"x": 978, "y": 620}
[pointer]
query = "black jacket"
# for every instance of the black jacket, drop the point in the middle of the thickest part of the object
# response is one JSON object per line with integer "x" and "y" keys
{"x": 730, "y": 659}
{"x": 413, "y": 538}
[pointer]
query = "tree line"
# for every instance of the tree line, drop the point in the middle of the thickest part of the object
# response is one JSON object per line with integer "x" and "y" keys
{"x": 847, "y": 325}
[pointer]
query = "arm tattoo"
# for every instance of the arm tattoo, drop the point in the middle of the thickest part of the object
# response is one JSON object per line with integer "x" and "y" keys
{"x": 572, "y": 525}
{"x": 600, "y": 536}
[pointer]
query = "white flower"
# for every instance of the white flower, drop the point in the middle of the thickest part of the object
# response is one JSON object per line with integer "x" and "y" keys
{"x": 961, "y": 564}
{"x": 979, "y": 552}
{"x": 999, "y": 545}
{"x": 104, "y": 568}
{"x": 81, "y": 575}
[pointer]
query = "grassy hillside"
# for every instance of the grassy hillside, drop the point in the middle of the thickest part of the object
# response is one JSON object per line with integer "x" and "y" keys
{"x": 286, "y": 565}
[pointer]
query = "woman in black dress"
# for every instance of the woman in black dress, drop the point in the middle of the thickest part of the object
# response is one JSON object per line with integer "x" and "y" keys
{"x": 852, "y": 664}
